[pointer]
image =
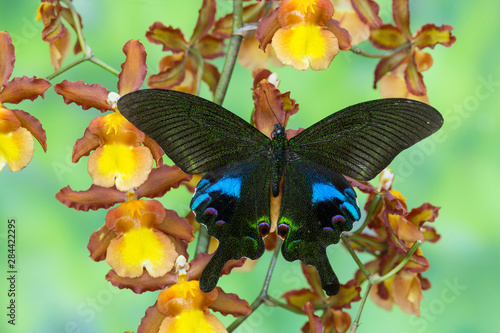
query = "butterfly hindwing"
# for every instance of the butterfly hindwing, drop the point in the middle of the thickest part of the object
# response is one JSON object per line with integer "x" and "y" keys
{"x": 233, "y": 202}
{"x": 361, "y": 140}
{"x": 196, "y": 134}
{"x": 318, "y": 204}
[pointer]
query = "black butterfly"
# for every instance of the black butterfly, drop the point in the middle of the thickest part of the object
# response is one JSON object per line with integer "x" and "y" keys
{"x": 243, "y": 166}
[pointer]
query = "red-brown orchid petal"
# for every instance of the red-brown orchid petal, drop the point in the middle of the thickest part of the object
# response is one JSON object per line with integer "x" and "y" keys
{"x": 251, "y": 13}
{"x": 394, "y": 86}
{"x": 349, "y": 292}
{"x": 94, "y": 198}
{"x": 151, "y": 321}
{"x": 337, "y": 321}
{"x": 268, "y": 108}
{"x": 21, "y": 88}
{"x": 315, "y": 325}
{"x": 210, "y": 76}
{"x": 414, "y": 79}
{"x": 252, "y": 57}
{"x": 85, "y": 145}
{"x": 99, "y": 242}
{"x": 290, "y": 133}
{"x": 368, "y": 12}
{"x": 363, "y": 186}
{"x": 172, "y": 72}
{"x": 161, "y": 180}
{"x": 7, "y": 57}
{"x": 417, "y": 264}
{"x": 407, "y": 293}
{"x": 54, "y": 30}
{"x": 267, "y": 28}
{"x": 271, "y": 240}
{"x": 401, "y": 15}
{"x": 388, "y": 64}
{"x": 9, "y": 122}
{"x": 210, "y": 47}
{"x": 343, "y": 36}
{"x": 405, "y": 230}
{"x": 426, "y": 212}
{"x": 33, "y": 125}
{"x": 387, "y": 37}
{"x": 198, "y": 264}
{"x": 206, "y": 20}
{"x": 430, "y": 35}
{"x": 430, "y": 234}
{"x": 394, "y": 204}
{"x": 59, "y": 50}
{"x": 142, "y": 283}
{"x": 171, "y": 39}
{"x": 313, "y": 279}
{"x": 230, "y": 304}
{"x": 134, "y": 68}
{"x": 380, "y": 295}
{"x": 259, "y": 75}
{"x": 350, "y": 21}
{"x": 176, "y": 226}
{"x": 298, "y": 298}
{"x": 155, "y": 149}
{"x": 85, "y": 95}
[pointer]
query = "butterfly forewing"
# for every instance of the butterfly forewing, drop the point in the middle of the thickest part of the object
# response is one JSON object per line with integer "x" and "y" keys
{"x": 361, "y": 140}
{"x": 233, "y": 202}
{"x": 196, "y": 134}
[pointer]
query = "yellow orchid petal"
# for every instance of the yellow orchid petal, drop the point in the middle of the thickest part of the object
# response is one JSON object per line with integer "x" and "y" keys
{"x": 121, "y": 165}
{"x": 139, "y": 248}
{"x": 305, "y": 45}
{"x": 16, "y": 149}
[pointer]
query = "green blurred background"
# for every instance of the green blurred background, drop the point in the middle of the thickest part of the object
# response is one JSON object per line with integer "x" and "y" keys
{"x": 60, "y": 289}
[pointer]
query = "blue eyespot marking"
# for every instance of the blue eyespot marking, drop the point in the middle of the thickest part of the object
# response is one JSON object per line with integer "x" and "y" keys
{"x": 211, "y": 211}
{"x": 220, "y": 223}
{"x": 201, "y": 198}
{"x": 328, "y": 229}
{"x": 338, "y": 219}
{"x": 348, "y": 208}
{"x": 350, "y": 193}
{"x": 202, "y": 184}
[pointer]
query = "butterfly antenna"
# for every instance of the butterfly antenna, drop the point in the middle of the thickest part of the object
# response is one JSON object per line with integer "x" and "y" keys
{"x": 269, "y": 104}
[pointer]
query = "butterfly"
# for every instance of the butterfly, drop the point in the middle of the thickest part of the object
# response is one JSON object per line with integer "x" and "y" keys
{"x": 243, "y": 167}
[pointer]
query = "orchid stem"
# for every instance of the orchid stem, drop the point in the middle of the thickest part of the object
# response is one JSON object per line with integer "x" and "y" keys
{"x": 232, "y": 53}
{"x": 87, "y": 51}
{"x": 374, "y": 278}
{"x": 387, "y": 54}
{"x": 362, "y": 267}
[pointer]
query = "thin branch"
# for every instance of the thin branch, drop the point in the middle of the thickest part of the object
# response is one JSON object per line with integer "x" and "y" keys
{"x": 374, "y": 278}
{"x": 263, "y": 296}
{"x": 380, "y": 55}
{"x": 232, "y": 53}
{"x": 362, "y": 267}
{"x": 374, "y": 207}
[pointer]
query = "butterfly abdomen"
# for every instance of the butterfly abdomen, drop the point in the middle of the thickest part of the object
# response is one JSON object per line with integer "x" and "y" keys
{"x": 279, "y": 145}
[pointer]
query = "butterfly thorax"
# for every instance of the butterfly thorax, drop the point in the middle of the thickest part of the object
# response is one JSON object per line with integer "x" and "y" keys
{"x": 279, "y": 144}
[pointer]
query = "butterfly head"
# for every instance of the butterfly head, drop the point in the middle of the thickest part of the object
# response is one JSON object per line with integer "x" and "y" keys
{"x": 278, "y": 131}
